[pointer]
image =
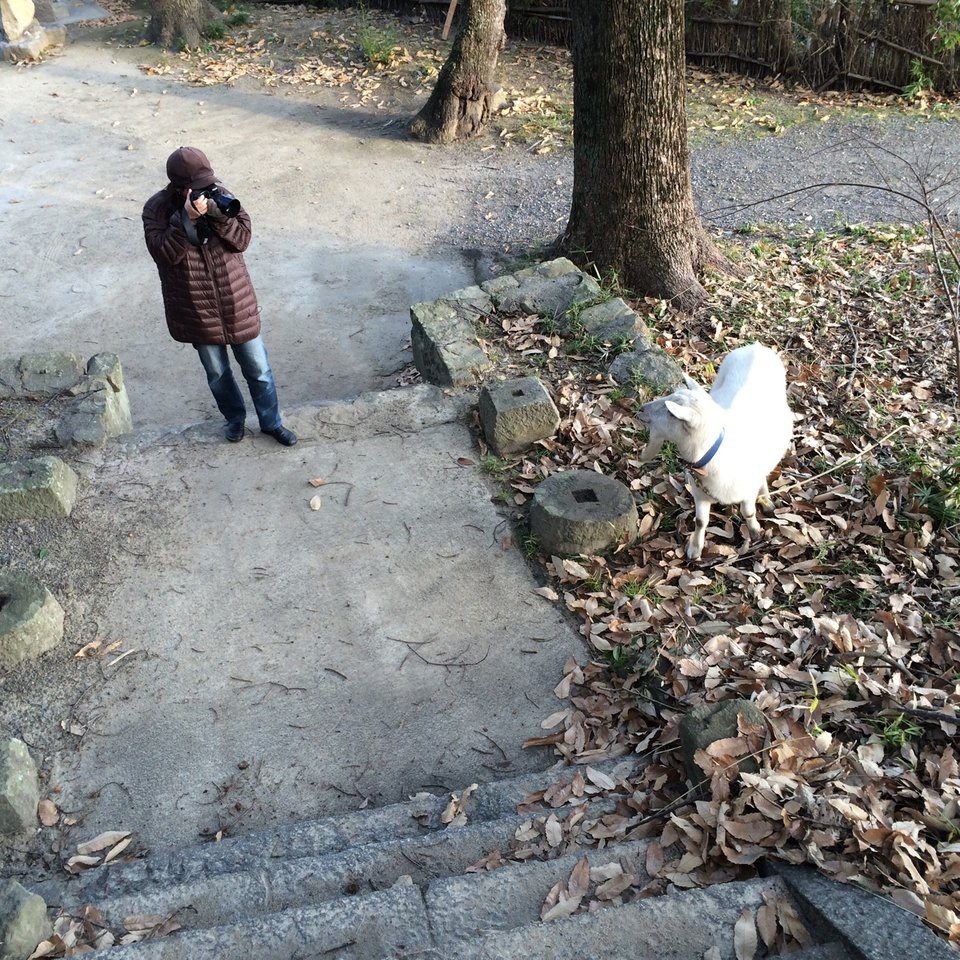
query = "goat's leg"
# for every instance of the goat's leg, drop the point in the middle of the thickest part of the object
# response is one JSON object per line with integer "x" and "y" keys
{"x": 763, "y": 497}
{"x": 748, "y": 509}
{"x": 653, "y": 447}
{"x": 703, "y": 504}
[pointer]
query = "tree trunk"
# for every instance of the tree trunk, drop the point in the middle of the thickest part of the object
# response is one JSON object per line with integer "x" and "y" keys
{"x": 632, "y": 209}
{"x": 179, "y": 24}
{"x": 459, "y": 106}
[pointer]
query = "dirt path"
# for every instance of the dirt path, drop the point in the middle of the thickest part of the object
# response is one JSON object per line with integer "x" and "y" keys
{"x": 348, "y": 223}
{"x": 287, "y": 662}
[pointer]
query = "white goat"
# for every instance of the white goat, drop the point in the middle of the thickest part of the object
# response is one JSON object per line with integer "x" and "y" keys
{"x": 732, "y": 437}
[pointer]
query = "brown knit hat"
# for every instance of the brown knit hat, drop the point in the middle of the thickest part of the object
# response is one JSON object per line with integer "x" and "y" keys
{"x": 189, "y": 167}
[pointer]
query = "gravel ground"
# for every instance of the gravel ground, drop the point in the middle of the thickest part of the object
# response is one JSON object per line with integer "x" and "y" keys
{"x": 523, "y": 199}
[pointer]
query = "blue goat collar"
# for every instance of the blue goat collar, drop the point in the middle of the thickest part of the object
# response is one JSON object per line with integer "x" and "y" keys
{"x": 710, "y": 454}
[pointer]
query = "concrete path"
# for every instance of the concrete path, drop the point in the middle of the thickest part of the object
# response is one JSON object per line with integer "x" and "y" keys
{"x": 347, "y": 222}
{"x": 288, "y": 662}
{"x": 294, "y": 662}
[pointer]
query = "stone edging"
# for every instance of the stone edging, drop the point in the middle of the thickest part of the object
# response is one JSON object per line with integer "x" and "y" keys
{"x": 444, "y": 338}
{"x": 31, "y": 619}
{"x": 100, "y": 408}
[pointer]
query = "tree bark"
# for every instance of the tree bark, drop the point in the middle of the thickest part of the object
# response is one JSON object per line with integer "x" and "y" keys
{"x": 179, "y": 24}
{"x": 632, "y": 209}
{"x": 459, "y": 106}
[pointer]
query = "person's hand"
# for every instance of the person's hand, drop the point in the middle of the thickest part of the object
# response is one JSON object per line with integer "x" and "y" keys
{"x": 195, "y": 208}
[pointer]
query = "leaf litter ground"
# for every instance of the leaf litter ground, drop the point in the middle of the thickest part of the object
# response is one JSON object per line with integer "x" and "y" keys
{"x": 383, "y": 62}
{"x": 841, "y": 624}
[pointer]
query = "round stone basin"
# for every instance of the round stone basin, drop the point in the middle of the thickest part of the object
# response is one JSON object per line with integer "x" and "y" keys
{"x": 582, "y": 512}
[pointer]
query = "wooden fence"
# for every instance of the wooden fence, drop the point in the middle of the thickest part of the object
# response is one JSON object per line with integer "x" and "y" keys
{"x": 821, "y": 43}
{"x": 824, "y": 43}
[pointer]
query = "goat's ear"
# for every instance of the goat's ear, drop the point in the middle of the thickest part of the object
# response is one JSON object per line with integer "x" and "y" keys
{"x": 679, "y": 411}
{"x": 691, "y": 383}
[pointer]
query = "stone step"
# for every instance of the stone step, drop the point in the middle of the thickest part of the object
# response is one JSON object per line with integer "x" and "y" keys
{"x": 288, "y": 883}
{"x": 872, "y": 926}
{"x": 296, "y": 881}
{"x": 824, "y": 951}
{"x": 401, "y": 410}
{"x": 462, "y": 908}
{"x": 445, "y": 925}
{"x": 390, "y": 923}
{"x": 310, "y": 838}
{"x": 681, "y": 926}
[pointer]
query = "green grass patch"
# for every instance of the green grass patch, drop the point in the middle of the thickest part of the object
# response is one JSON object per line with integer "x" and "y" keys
{"x": 377, "y": 44}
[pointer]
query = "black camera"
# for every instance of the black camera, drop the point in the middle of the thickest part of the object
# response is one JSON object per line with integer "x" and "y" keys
{"x": 227, "y": 203}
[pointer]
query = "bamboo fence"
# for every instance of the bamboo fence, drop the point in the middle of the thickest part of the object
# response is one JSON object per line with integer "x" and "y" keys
{"x": 836, "y": 44}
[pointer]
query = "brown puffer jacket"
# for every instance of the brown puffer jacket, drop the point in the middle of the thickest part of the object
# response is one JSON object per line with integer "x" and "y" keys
{"x": 207, "y": 293}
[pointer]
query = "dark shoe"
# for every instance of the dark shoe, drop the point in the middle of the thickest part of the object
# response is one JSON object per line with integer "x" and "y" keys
{"x": 234, "y": 432}
{"x": 282, "y": 435}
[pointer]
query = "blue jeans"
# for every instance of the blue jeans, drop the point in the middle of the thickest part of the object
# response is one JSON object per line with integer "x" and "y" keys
{"x": 252, "y": 357}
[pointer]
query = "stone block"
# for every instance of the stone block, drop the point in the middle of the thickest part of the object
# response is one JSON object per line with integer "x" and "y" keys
{"x": 548, "y": 294}
{"x": 708, "y": 722}
{"x": 33, "y": 489}
{"x": 19, "y": 788}
{"x": 582, "y": 512}
{"x": 35, "y": 42}
{"x": 444, "y": 341}
{"x": 9, "y": 377}
{"x": 650, "y": 368}
{"x": 46, "y": 374}
{"x": 23, "y": 921}
{"x": 15, "y": 17}
{"x": 612, "y": 320}
{"x": 517, "y": 413}
{"x": 873, "y": 926}
{"x": 101, "y": 410}
{"x": 31, "y": 620}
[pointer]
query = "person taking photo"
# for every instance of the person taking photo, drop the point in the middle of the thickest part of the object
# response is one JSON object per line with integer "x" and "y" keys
{"x": 196, "y": 233}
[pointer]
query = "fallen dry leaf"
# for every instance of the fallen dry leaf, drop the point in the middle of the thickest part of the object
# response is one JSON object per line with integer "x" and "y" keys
{"x": 48, "y": 813}
{"x": 745, "y": 936}
{"x": 115, "y": 851}
{"x": 102, "y": 841}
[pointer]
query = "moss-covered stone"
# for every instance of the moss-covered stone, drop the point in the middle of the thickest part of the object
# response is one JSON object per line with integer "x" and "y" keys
{"x": 35, "y": 489}
{"x": 19, "y": 788}
{"x": 46, "y": 374}
{"x": 517, "y": 413}
{"x": 444, "y": 341}
{"x": 31, "y": 620}
{"x": 23, "y": 921}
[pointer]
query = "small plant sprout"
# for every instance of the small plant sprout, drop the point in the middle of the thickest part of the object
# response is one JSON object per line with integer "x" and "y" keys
{"x": 896, "y": 731}
{"x": 529, "y": 544}
{"x": 493, "y": 466}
